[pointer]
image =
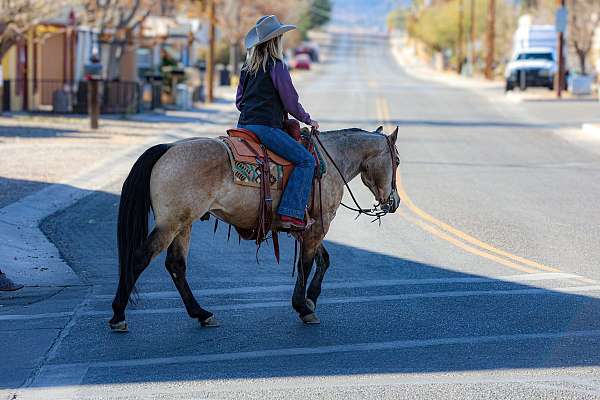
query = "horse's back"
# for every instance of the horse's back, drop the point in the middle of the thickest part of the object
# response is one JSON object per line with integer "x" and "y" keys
{"x": 188, "y": 178}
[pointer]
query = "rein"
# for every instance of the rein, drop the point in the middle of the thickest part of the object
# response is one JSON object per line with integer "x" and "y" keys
{"x": 375, "y": 212}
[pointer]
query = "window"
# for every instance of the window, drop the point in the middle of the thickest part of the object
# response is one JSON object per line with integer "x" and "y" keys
{"x": 536, "y": 56}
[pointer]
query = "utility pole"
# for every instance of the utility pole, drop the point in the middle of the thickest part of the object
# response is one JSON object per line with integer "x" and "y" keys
{"x": 210, "y": 62}
{"x": 472, "y": 37}
{"x": 491, "y": 39}
{"x": 561, "y": 25}
{"x": 234, "y": 44}
{"x": 459, "y": 48}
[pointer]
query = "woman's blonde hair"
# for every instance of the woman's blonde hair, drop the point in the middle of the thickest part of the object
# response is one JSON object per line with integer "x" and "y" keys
{"x": 259, "y": 55}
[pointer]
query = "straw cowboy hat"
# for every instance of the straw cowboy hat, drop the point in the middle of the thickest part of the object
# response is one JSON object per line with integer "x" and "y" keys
{"x": 267, "y": 27}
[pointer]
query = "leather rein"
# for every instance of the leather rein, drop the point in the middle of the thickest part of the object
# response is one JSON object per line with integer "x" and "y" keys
{"x": 379, "y": 210}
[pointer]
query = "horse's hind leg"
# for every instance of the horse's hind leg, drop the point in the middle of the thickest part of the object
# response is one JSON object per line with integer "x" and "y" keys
{"x": 314, "y": 289}
{"x": 156, "y": 242}
{"x": 176, "y": 266}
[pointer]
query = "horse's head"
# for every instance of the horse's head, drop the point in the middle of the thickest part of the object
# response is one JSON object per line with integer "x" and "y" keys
{"x": 378, "y": 172}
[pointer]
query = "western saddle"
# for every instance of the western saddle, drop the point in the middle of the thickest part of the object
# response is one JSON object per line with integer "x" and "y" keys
{"x": 254, "y": 165}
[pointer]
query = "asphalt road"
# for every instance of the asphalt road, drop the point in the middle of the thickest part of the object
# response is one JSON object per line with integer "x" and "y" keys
{"x": 481, "y": 286}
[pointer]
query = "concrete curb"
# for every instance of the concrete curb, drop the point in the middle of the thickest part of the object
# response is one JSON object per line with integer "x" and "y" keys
{"x": 591, "y": 130}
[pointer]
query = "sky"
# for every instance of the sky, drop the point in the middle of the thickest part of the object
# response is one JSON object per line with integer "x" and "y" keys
{"x": 363, "y": 14}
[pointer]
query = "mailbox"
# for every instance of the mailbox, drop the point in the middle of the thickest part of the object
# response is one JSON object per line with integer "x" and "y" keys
{"x": 93, "y": 70}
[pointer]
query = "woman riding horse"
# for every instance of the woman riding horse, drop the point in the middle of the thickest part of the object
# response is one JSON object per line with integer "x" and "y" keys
{"x": 265, "y": 95}
{"x": 183, "y": 181}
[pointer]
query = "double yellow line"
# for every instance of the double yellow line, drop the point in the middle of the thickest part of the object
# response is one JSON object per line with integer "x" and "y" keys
{"x": 449, "y": 233}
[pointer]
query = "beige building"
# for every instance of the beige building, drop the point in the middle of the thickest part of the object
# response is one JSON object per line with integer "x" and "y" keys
{"x": 39, "y": 66}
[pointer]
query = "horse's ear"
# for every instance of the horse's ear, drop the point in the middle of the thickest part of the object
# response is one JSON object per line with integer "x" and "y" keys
{"x": 394, "y": 135}
{"x": 379, "y": 130}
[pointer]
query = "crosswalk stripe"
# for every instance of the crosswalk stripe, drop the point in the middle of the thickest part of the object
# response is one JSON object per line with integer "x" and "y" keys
{"x": 370, "y": 299}
{"x": 358, "y": 284}
{"x": 530, "y": 291}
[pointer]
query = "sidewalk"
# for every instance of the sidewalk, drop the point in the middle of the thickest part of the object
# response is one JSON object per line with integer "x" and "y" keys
{"x": 51, "y": 162}
{"x": 405, "y": 57}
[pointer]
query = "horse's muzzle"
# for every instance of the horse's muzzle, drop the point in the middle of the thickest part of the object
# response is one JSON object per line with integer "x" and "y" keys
{"x": 392, "y": 203}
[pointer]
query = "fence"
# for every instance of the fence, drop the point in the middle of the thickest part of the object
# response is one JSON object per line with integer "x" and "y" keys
{"x": 64, "y": 97}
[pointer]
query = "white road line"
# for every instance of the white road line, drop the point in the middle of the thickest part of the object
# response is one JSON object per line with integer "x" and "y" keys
{"x": 335, "y": 300}
{"x": 358, "y": 284}
{"x": 370, "y": 299}
{"x": 18, "y": 317}
{"x": 345, "y": 348}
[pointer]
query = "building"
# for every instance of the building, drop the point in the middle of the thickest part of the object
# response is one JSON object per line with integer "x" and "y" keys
{"x": 42, "y": 70}
{"x": 45, "y": 70}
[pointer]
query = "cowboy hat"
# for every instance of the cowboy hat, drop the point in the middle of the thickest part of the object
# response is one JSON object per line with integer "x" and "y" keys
{"x": 267, "y": 27}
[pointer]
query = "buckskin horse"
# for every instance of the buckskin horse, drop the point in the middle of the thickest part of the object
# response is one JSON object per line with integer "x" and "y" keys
{"x": 189, "y": 179}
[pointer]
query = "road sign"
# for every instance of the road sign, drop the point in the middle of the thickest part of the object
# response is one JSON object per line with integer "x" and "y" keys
{"x": 561, "y": 19}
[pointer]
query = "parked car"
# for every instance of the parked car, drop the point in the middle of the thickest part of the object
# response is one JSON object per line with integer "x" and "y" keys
{"x": 534, "y": 60}
{"x": 531, "y": 67}
{"x": 301, "y": 61}
{"x": 312, "y": 49}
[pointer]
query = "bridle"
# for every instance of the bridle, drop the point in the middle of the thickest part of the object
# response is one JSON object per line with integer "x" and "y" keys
{"x": 379, "y": 209}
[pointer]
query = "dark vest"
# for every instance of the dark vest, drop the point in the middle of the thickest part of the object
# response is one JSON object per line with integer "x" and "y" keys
{"x": 261, "y": 104}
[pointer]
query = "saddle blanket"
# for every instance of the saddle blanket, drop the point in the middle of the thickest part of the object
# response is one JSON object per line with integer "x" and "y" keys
{"x": 248, "y": 174}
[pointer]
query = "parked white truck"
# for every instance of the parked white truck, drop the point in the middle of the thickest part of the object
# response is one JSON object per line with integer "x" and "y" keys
{"x": 534, "y": 61}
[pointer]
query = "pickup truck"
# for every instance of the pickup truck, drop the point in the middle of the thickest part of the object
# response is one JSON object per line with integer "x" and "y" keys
{"x": 529, "y": 67}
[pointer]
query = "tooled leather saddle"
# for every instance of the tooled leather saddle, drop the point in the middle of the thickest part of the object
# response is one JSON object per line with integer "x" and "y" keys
{"x": 254, "y": 165}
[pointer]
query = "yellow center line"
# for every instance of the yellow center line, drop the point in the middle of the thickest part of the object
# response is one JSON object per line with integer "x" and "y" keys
{"x": 466, "y": 237}
{"x": 469, "y": 249}
{"x": 478, "y": 246}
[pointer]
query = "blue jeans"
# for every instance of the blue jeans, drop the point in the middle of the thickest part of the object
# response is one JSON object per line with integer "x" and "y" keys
{"x": 295, "y": 196}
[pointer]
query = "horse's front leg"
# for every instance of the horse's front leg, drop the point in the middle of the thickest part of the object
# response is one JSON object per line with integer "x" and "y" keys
{"x": 314, "y": 289}
{"x": 304, "y": 266}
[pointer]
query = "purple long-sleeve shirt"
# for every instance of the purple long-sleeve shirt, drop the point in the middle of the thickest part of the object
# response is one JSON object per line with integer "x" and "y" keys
{"x": 287, "y": 92}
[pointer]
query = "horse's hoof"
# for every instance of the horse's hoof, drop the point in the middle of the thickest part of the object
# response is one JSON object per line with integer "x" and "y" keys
{"x": 311, "y": 305}
{"x": 311, "y": 319}
{"x": 119, "y": 326}
{"x": 210, "y": 322}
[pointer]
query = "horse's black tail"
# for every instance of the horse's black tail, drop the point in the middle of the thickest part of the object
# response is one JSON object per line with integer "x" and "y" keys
{"x": 132, "y": 226}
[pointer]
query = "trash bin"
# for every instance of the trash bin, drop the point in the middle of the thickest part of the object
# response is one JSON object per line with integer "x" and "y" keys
{"x": 182, "y": 96}
{"x": 224, "y": 75}
{"x": 580, "y": 84}
{"x": 198, "y": 94}
{"x": 61, "y": 102}
{"x": 157, "y": 86}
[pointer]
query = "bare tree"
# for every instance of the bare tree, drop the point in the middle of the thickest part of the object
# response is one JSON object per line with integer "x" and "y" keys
{"x": 116, "y": 22}
{"x": 235, "y": 17}
{"x": 19, "y": 16}
{"x": 584, "y": 20}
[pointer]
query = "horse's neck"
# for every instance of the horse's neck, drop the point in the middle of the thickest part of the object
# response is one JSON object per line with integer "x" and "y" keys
{"x": 349, "y": 151}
